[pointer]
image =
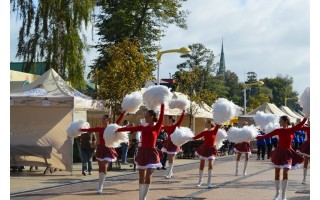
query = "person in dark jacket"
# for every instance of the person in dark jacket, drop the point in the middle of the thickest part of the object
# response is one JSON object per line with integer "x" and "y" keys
{"x": 261, "y": 145}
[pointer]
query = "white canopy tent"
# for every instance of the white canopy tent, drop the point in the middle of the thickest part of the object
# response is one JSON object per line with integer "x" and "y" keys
{"x": 290, "y": 112}
{"x": 39, "y": 116}
{"x": 267, "y": 108}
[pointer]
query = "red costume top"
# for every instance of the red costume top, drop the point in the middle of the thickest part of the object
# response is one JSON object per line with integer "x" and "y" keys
{"x": 149, "y": 134}
{"x": 285, "y": 135}
{"x": 172, "y": 128}
{"x": 209, "y": 136}
{"x": 307, "y": 130}
{"x": 100, "y": 129}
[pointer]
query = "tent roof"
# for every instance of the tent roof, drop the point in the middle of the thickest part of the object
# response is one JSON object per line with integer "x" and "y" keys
{"x": 52, "y": 87}
{"x": 290, "y": 112}
{"x": 271, "y": 108}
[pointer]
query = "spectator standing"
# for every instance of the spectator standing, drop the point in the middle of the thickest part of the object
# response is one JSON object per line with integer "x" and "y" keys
{"x": 124, "y": 146}
{"x": 163, "y": 136}
{"x": 87, "y": 143}
{"x": 268, "y": 146}
{"x": 261, "y": 145}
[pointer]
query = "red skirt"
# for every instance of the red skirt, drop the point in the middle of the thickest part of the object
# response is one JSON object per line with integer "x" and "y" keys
{"x": 206, "y": 152}
{"x": 243, "y": 147}
{"x": 285, "y": 158}
{"x": 104, "y": 153}
{"x": 149, "y": 156}
{"x": 169, "y": 147}
{"x": 304, "y": 149}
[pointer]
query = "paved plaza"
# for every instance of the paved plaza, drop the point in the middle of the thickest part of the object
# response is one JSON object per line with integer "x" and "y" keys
{"x": 123, "y": 184}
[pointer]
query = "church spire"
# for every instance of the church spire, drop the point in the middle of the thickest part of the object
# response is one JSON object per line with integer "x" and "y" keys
{"x": 222, "y": 65}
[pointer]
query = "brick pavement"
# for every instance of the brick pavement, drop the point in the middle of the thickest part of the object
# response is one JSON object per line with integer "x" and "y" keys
{"x": 124, "y": 184}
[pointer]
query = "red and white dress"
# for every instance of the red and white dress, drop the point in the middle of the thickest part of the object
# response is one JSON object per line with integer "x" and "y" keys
{"x": 243, "y": 147}
{"x": 168, "y": 146}
{"x": 149, "y": 155}
{"x": 207, "y": 151}
{"x": 104, "y": 153}
{"x": 304, "y": 149}
{"x": 284, "y": 156}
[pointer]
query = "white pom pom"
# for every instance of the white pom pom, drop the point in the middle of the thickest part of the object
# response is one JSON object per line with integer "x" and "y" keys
{"x": 224, "y": 110}
{"x": 154, "y": 96}
{"x": 74, "y": 128}
{"x": 132, "y": 102}
{"x": 112, "y": 138}
{"x": 180, "y": 103}
{"x": 267, "y": 121}
{"x": 220, "y": 137}
{"x": 244, "y": 134}
{"x": 304, "y": 101}
{"x": 181, "y": 136}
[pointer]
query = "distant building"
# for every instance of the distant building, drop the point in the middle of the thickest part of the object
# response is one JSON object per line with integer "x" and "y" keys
{"x": 222, "y": 63}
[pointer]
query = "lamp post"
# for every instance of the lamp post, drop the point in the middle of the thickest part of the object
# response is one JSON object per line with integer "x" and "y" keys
{"x": 183, "y": 50}
{"x": 258, "y": 83}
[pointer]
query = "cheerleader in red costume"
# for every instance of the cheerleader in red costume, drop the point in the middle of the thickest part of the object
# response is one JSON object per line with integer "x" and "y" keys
{"x": 168, "y": 146}
{"x": 284, "y": 156}
{"x": 104, "y": 154}
{"x": 304, "y": 149}
{"x": 240, "y": 148}
{"x": 149, "y": 156}
{"x": 207, "y": 151}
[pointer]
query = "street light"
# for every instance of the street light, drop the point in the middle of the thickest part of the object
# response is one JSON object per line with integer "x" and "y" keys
{"x": 258, "y": 83}
{"x": 183, "y": 50}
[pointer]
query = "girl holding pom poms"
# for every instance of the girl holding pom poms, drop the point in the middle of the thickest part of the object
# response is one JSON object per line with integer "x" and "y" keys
{"x": 207, "y": 151}
{"x": 168, "y": 147}
{"x": 304, "y": 150}
{"x": 284, "y": 156}
{"x": 242, "y": 148}
{"x": 149, "y": 156}
{"x": 104, "y": 154}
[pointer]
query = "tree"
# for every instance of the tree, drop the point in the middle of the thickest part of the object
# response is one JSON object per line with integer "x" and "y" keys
{"x": 256, "y": 101}
{"x": 282, "y": 88}
{"x": 144, "y": 20}
{"x": 50, "y": 33}
{"x": 125, "y": 72}
{"x": 234, "y": 92}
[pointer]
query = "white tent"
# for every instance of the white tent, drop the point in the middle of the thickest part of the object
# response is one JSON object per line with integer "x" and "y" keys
{"x": 290, "y": 112}
{"x": 39, "y": 116}
{"x": 267, "y": 108}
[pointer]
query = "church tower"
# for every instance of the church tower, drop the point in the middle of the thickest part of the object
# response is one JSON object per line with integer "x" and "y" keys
{"x": 222, "y": 65}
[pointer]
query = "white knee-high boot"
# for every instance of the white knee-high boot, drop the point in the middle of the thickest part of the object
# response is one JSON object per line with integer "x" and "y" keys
{"x": 200, "y": 178}
{"x": 141, "y": 191}
{"x": 277, "y": 184}
{"x": 237, "y": 168}
{"x": 145, "y": 191}
{"x": 245, "y": 168}
{"x": 284, "y": 188}
{"x": 305, "y": 170}
{"x": 170, "y": 173}
{"x": 209, "y": 178}
{"x": 102, "y": 176}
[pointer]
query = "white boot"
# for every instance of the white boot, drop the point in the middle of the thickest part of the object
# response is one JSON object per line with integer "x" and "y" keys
{"x": 141, "y": 190}
{"x": 209, "y": 178}
{"x": 305, "y": 170}
{"x": 277, "y": 184}
{"x": 245, "y": 168}
{"x": 145, "y": 191}
{"x": 102, "y": 176}
{"x": 200, "y": 178}
{"x": 284, "y": 188}
{"x": 170, "y": 174}
{"x": 237, "y": 168}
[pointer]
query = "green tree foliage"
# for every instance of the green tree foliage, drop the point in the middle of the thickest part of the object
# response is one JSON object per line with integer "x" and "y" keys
{"x": 125, "y": 72}
{"x": 50, "y": 33}
{"x": 256, "y": 101}
{"x": 234, "y": 88}
{"x": 281, "y": 87}
{"x": 144, "y": 20}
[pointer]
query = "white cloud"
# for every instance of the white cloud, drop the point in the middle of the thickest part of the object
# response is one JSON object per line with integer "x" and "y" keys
{"x": 267, "y": 37}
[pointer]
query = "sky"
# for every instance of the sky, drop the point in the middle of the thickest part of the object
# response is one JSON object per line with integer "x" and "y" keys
{"x": 268, "y": 37}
